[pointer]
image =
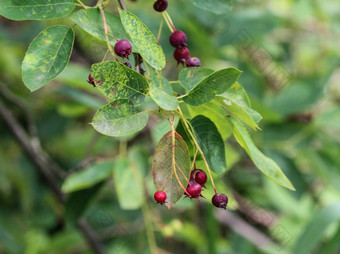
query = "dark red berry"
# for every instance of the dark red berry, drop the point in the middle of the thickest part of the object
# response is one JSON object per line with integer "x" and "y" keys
{"x": 123, "y": 48}
{"x": 193, "y": 62}
{"x": 160, "y": 5}
{"x": 220, "y": 200}
{"x": 181, "y": 54}
{"x": 160, "y": 197}
{"x": 127, "y": 64}
{"x": 91, "y": 80}
{"x": 178, "y": 39}
{"x": 200, "y": 177}
{"x": 192, "y": 174}
{"x": 194, "y": 190}
{"x": 191, "y": 182}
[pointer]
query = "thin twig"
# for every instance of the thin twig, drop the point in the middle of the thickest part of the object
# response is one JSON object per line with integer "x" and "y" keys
{"x": 90, "y": 236}
{"x": 45, "y": 166}
{"x": 121, "y": 4}
{"x": 197, "y": 145}
{"x": 38, "y": 157}
{"x": 106, "y": 33}
{"x": 9, "y": 96}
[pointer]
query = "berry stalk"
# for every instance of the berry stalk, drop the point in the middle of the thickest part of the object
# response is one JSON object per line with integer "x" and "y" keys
{"x": 106, "y": 33}
{"x": 168, "y": 23}
{"x": 173, "y": 156}
{"x": 198, "y": 147}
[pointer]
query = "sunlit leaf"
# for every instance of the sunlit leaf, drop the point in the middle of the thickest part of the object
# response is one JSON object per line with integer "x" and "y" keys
{"x": 267, "y": 166}
{"x": 217, "y": 83}
{"x": 190, "y": 77}
{"x": 119, "y": 118}
{"x": 145, "y": 42}
{"x": 47, "y": 55}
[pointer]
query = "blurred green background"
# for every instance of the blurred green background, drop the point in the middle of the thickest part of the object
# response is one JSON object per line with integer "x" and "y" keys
{"x": 289, "y": 52}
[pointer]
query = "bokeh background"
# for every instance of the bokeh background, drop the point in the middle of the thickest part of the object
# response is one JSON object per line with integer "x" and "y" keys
{"x": 289, "y": 52}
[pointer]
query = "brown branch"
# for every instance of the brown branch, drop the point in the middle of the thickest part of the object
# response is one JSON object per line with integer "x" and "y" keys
{"x": 90, "y": 236}
{"x": 244, "y": 229}
{"x": 121, "y": 4}
{"x": 33, "y": 150}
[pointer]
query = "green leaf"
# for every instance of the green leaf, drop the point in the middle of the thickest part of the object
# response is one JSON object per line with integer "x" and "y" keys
{"x": 211, "y": 143}
{"x": 246, "y": 114}
{"x": 163, "y": 169}
{"x": 145, "y": 42}
{"x": 237, "y": 94}
{"x": 215, "y": 84}
{"x": 119, "y": 118}
{"x": 35, "y": 10}
{"x": 87, "y": 177}
{"x": 216, "y": 114}
{"x": 191, "y": 77}
{"x": 316, "y": 228}
{"x": 236, "y": 101}
{"x": 128, "y": 184}
{"x": 215, "y": 6}
{"x": 47, "y": 55}
{"x": 91, "y": 21}
{"x": 262, "y": 162}
{"x": 161, "y": 93}
{"x": 117, "y": 81}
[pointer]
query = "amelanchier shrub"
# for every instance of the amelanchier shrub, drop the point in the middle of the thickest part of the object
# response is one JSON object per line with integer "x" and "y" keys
{"x": 215, "y": 96}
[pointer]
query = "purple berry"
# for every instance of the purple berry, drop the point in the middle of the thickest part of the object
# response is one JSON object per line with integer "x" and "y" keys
{"x": 194, "y": 190}
{"x": 200, "y": 177}
{"x": 160, "y": 5}
{"x": 123, "y": 48}
{"x": 220, "y": 200}
{"x": 193, "y": 62}
{"x": 91, "y": 80}
{"x": 160, "y": 197}
{"x": 127, "y": 64}
{"x": 178, "y": 39}
{"x": 181, "y": 55}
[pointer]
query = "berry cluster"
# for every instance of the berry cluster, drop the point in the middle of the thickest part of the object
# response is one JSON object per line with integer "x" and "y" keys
{"x": 197, "y": 181}
{"x": 178, "y": 39}
{"x": 160, "y": 5}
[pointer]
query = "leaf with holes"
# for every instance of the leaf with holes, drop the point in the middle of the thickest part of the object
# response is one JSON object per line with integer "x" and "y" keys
{"x": 47, "y": 56}
{"x": 165, "y": 173}
{"x": 216, "y": 83}
{"x": 91, "y": 21}
{"x": 119, "y": 118}
{"x": 161, "y": 93}
{"x": 211, "y": 142}
{"x": 116, "y": 81}
{"x": 267, "y": 166}
{"x": 144, "y": 41}
{"x": 35, "y": 10}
